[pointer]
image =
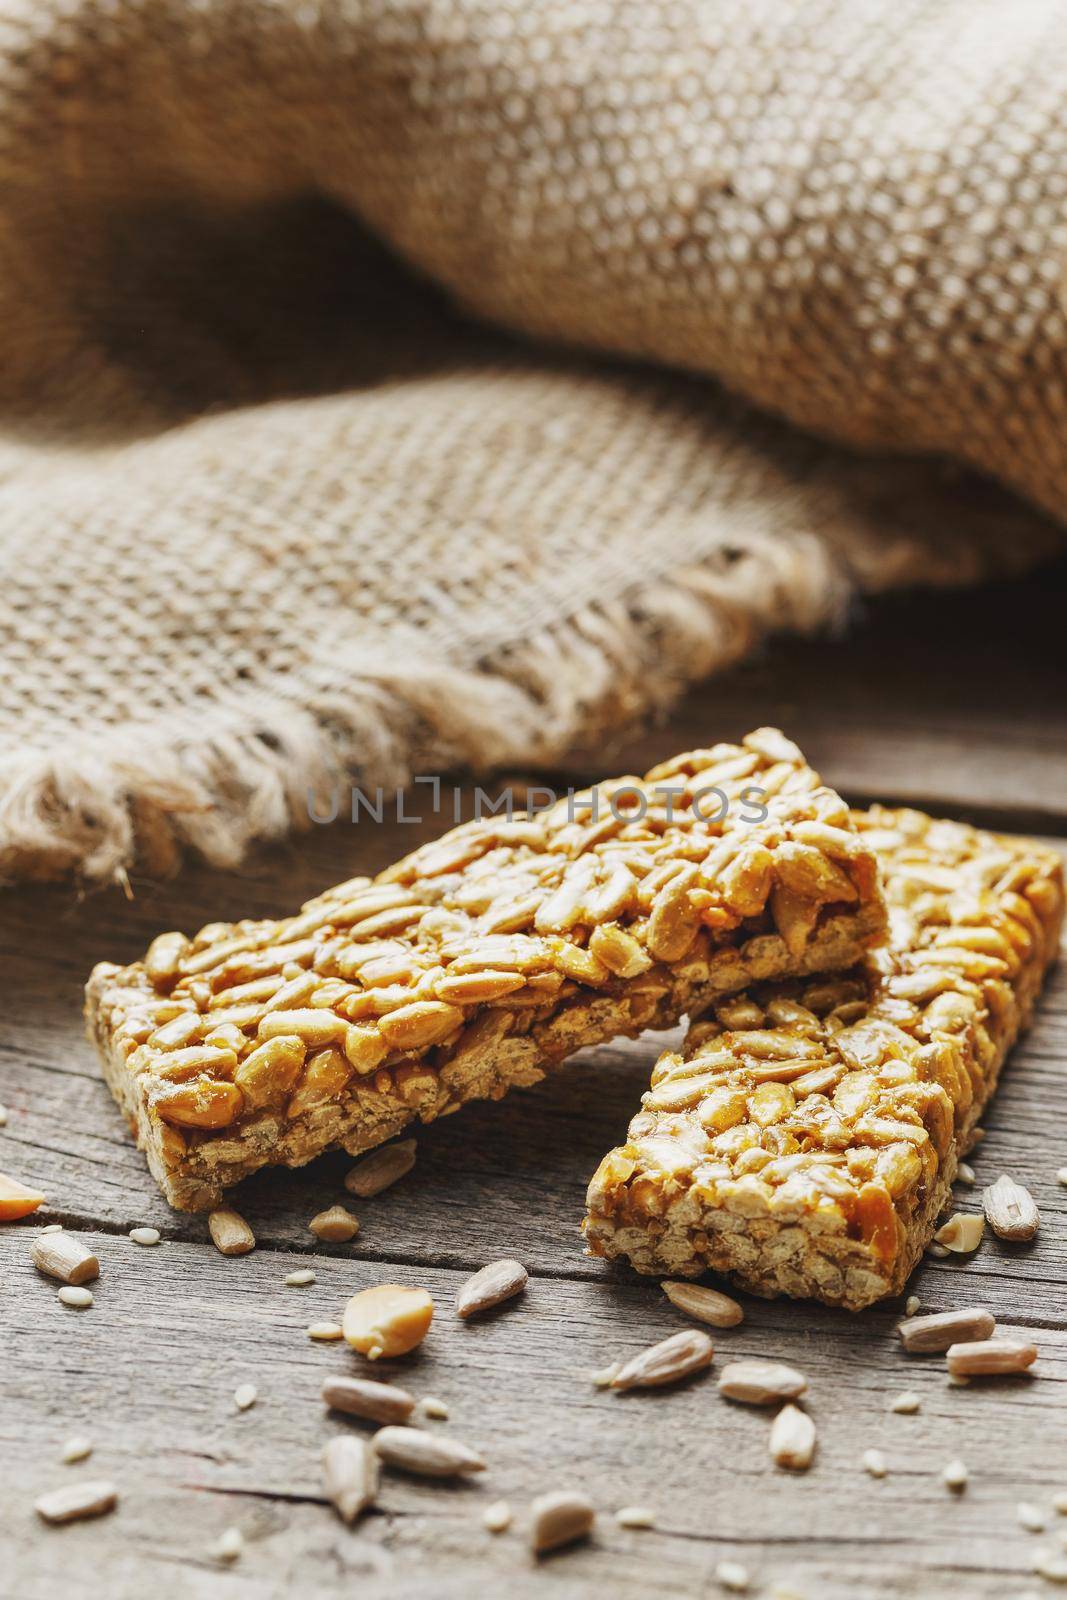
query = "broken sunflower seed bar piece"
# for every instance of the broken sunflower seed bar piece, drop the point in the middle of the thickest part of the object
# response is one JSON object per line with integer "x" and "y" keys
{"x": 479, "y": 962}
{"x": 805, "y": 1140}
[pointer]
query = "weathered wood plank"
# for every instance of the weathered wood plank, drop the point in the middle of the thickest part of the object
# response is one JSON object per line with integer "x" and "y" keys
{"x": 149, "y": 1374}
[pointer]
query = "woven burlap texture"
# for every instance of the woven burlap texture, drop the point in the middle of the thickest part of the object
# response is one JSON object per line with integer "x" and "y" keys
{"x": 342, "y": 427}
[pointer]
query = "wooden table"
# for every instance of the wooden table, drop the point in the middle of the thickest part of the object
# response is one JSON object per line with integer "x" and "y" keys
{"x": 959, "y": 703}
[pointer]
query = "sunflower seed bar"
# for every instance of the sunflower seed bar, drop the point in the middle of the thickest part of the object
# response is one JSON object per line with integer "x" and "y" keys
{"x": 805, "y": 1140}
{"x": 479, "y": 961}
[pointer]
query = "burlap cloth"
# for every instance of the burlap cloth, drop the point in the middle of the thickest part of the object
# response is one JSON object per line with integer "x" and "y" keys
{"x": 276, "y": 509}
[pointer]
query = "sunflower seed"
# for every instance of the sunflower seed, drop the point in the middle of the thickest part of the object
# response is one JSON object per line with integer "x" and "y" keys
{"x": 335, "y": 1226}
{"x": 436, "y": 1409}
{"x": 965, "y": 1173}
{"x": 497, "y": 1282}
{"x": 245, "y": 1395}
{"x": 431, "y": 1455}
{"x": 230, "y": 1233}
{"x": 351, "y": 1472}
{"x": 1031, "y": 1517}
{"x": 325, "y": 1331}
{"x": 935, "y": 1332}
{"x": 666, "y": 1362}
{"x": 302, "y": 1278}
{"x": 874, "y": 1463}
{"x": 61, "y": 1256}
{"x": 985, "y": 1356}
{"x": 76, "y": 1449}
{"x": 761, "y": 1383}
{"x": 382, "y": 1168}
{"x": 954, "y": 1476}
{"x": 558, "y": 1519}
{"x": 707, "y": 1305}
{"x": 912, "y": 1305}
{"x": 361, "y": 1397}
{"x": 792, "y": 1441}
{"x": 77, "y": 1500}
{"x": 906, "y": 1402}
{"x": 145, "y": 1236}
{"x": 1010, "y": 1210}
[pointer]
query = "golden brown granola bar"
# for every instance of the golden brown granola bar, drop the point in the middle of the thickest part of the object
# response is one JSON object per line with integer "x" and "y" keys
{"x": 479, "y": 961}
{"x": 805, "y": 1140}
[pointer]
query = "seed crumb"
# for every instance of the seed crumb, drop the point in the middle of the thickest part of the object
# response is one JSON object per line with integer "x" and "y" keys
{"x": 607, "y": 1375}
{"x": 955, "y": 1475}
{"x": 245, "y": 1395}
{"x": 906, "y": 1403}
{"x": 497, "y": 1517}
{"x": 72, "y": 1295}
{"x": 430, "y": 1406}
{"x": 635, "y": 1517}
{"x": 325, "y": 1331}
{"x": 962, "y": 1233}
{"x": 300, "y": 1279}
{"x": 874, "y": 1463}
{"x": 912, "y": 1305}
{"x": 76, "y": 1448}
{"x": 1061, "y": 1176}
{"x": 51, "y": 1227}
{"x": 958, "y": 1380}
{"x": 733, "y": 1576}
{"x": 229, "y": 1545}
{"x": 1031, "y": 1517}
{"x": 1059, "y": 1503}
{"x": 145, "y": 1236}
{"x": 938, "y": 1251}
{"x": 965, "y": 1173}
{"x": 1051, "y": 1565}
{"x": 3, "y": 1116}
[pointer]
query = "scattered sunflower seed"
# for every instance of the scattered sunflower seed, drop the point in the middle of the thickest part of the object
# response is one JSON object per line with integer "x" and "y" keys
{"x": 77, "y": 1500}
{"x": 962, "y": 1233}
{"x": 300, "y": 1279}
{"x": 351, "y": 1473}
{"x": 229, "y": 1545}
{"x": 436, "y": 1409}
{"x": 954, "y": 1475}
{"x": 761, "y": 1383}
{"x": 76, "y": 1448}
{"x": 667, "y": 1362}
{"x": 965, "y": 1173}
{"x": 494, "y": 1284}
{"x": 989, "y": 1356}
{"x": 933, "y": 1333}
{"x": 1031, "y": 1517}
{"x": 61, "y": 1256}
{"x": 325, "y": 1331}
{"x": 431, "y": 1455}
{"x": 559, "y": 1519}
{"x": 361, "y": 1397}
{"x": 497, "y": 1517}
{"x": 80, "y": 1299}
{"x": 635, "y": 1517}
{"x": 335, "y": 1226}
{"x": 874, "y": 1463}
{"x": 733, "y": 1576}
{"x": 907, "y": 1402}
{"x": 382, "y": 1168}
{"x": 245, "y": 1395}
{"x": 792, "y": 1441}
{"x": 706, "y": 1305}
{"x": 911, "y": 1305}
{"x": 230, "y": 1233}
{"x": 145, "y": 1236}
{"x": 1010, "y": 1210}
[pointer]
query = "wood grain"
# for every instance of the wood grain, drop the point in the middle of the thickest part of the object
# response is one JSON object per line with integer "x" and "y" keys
{"x": 149, "y": 1371}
